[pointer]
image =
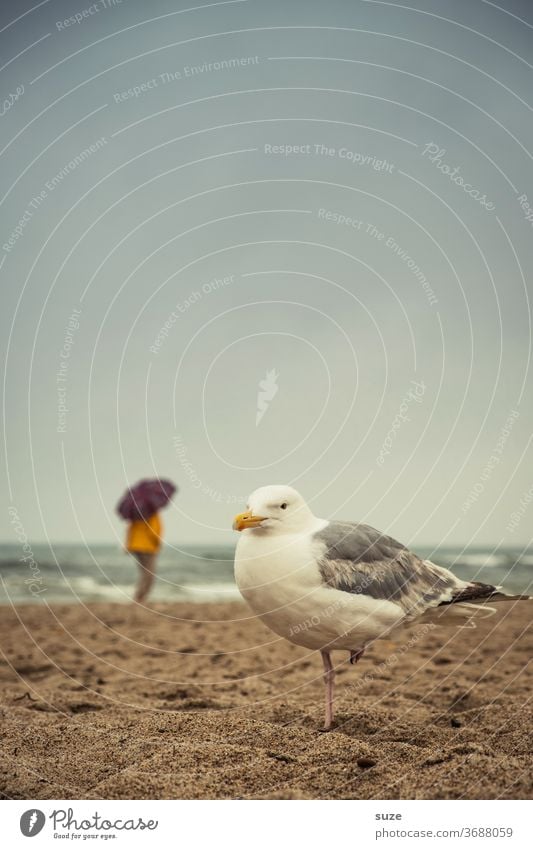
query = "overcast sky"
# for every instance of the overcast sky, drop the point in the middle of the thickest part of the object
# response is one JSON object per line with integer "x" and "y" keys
{"x": 268, "y": 242}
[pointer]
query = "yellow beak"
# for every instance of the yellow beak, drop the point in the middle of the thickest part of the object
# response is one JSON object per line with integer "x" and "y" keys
{"x": 246, "y": 520}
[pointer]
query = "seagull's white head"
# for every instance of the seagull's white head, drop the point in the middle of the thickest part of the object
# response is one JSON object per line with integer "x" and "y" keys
{"x": 275, "y": 509}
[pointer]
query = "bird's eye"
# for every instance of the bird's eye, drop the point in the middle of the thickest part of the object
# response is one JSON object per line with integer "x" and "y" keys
{"x": 284, "y": 505}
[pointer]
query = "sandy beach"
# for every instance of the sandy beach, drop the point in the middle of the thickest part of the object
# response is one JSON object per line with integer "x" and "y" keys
{"x": 202, "y": 701}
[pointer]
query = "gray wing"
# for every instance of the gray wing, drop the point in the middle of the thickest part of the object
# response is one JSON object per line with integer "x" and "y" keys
{"x": 356, "y": 558}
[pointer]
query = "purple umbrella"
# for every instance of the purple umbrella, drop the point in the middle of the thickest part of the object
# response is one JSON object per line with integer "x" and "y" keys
{"x": 145, "y": 498}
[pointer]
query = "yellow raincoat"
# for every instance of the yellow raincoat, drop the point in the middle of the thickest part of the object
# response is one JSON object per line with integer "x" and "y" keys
{"x": 145, "y": 535}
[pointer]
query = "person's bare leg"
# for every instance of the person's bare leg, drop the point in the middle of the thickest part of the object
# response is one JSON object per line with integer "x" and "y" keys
{"x": 139, "y": 557}
{"x": 142, "y": 589}
{"x": 146, "y": 563}
{"x": 329, "y": 678}
{"x": 149, "y": 575}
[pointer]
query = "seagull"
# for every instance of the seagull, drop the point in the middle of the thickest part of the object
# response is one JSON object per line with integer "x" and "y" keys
{"x": 332, "y": 585}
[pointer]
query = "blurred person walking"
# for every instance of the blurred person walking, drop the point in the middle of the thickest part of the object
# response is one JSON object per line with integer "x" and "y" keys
{"x": 140, "y": 507}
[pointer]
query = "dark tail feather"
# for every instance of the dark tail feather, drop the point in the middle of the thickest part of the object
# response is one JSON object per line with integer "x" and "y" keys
{"x": 478, "y": 593}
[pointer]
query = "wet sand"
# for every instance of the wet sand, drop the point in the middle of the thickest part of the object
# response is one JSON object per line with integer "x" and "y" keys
{"x": 106, "y": 701}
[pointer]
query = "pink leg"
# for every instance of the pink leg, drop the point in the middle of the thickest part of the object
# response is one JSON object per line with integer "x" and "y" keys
{"x": 329, "y": 677}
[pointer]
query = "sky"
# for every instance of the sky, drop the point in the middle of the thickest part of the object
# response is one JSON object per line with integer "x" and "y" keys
{"x": 249, "y": 242}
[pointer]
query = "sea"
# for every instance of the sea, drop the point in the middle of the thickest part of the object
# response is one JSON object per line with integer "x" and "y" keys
{"x": 74, "y": 573}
